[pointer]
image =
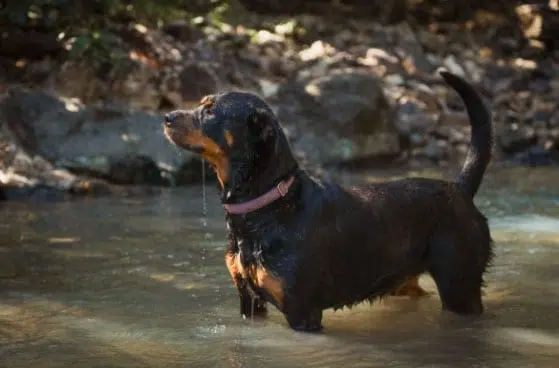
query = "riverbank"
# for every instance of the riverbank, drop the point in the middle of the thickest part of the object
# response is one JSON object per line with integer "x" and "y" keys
{"x": 351, "y": 93}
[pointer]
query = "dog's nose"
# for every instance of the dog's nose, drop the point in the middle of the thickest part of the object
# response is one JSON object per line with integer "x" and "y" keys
{"x": 170, "y": 118}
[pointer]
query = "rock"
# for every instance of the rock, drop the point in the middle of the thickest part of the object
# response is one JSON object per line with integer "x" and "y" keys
{"x": 182, "y": 30}
{"x": 111, "y": 143}
{"x": 435, "y": 150}
{"x": 417, "y": 140}
{"x": 263, "y": 37}
{"x": 131, "y": 82}
{"x": 540, "y": 22}
{"x": 537, "y": 156}
{"x": 554, "y": 121}
{"x": 29, "y": 44}
{"x": 268, "y": 88}
{"x": 192, "y": 171}
{"x": 339, "y": 118}
{"x": 410, "y": 50}
{"x": 317, "y": 50}
{"x": 315, "y": 71}
{"x": 540, "y": 117}
{"x": 515, "y": 138}
{"x": 394, "y": 80}
{"x": 25, "y": 176}
{"x": 189, "y": 84}
{"x": 539, "y": 85}
{"x": 411, "y": 118}
{"x": 136, "y": 169}
{"x": 452, "y": 64}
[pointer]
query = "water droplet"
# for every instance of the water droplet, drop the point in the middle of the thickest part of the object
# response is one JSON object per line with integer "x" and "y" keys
{"x": 204, "y": 197}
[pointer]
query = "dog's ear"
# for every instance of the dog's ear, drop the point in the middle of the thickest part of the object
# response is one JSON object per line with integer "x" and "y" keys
{"x": 261, "y": 124}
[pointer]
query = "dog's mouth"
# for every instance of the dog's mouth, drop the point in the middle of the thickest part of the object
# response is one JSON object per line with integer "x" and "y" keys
{"x": 183, "y": 138}
{"x": 195, "y": 141}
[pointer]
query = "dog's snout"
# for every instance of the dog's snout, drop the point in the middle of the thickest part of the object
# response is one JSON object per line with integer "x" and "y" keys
{"x": 170, "y": 118}
{"x": 182, "y": 119}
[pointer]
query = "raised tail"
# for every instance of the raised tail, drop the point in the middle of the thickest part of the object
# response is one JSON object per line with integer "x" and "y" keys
{"x": 481, "y": 143}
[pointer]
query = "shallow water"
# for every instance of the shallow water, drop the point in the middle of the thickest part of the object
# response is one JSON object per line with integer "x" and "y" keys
{"x": 140, "y": 283}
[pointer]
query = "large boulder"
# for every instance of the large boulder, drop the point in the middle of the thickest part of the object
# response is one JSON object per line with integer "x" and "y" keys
{"x": 133, "y": 83}
{"x": 338, "y": 118}
{"x": 108, "y": 142}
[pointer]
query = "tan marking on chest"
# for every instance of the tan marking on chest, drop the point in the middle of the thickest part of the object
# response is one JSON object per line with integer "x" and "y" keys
{"x": 259, "y": 276}
{"x": 236, "y": 270}
{"x": 267, "y": 281}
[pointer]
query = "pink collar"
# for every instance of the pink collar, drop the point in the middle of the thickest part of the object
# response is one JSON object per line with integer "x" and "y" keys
{"x": 265, "y": 199}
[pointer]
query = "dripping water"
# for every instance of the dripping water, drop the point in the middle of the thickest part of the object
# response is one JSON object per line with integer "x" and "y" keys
{"x": 204, "y": 198}
{"x": 204, "y": 219}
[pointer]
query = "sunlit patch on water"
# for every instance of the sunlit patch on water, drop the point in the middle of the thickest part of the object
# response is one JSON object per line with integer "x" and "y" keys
{"x": 528, "y": 223}
{"x": 530, "y": 336}
{"x": 536, "y": 230}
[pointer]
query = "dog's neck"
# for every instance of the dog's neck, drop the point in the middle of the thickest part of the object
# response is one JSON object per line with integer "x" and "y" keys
{"x": 243, "y": 189}
{"x": 279, "y": 191}
{"x": 256, "y": 177}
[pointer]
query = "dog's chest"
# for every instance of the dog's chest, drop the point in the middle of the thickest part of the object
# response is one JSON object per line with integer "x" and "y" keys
{"x": 250, "y": 264}
{"x": 254, "y": 240}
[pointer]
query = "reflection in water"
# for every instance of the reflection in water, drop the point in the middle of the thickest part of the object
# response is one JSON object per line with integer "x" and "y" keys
{"x": 116, "y": 283}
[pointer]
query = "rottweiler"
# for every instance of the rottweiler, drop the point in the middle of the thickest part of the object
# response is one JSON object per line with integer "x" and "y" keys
{"x": 305, "y": 244}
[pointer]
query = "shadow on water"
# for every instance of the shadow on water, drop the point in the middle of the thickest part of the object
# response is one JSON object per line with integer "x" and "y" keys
{"x": 134, "y": 283}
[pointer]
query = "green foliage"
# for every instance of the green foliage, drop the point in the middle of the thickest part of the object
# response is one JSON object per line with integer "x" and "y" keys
{"x": 85, "y": 13}
{"x": 99, "y": 47}
{"x": 89, "y": 28}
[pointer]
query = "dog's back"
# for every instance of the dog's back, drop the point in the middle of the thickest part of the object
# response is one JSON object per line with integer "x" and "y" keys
{"x": 368, "y": 239}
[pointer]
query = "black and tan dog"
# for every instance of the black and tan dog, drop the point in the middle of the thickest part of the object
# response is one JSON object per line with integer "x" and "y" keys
{"x": 306, "y": 245}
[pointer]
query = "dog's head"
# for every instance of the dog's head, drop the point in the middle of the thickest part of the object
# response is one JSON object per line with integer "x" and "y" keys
{"x": 239, "y": 136}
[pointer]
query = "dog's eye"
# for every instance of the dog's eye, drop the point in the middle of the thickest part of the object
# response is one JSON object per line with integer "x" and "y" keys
{"x": 208, "y": 112}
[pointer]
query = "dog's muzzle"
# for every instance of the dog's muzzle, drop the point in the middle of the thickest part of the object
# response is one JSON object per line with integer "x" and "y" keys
{"x": 181, "y": 119}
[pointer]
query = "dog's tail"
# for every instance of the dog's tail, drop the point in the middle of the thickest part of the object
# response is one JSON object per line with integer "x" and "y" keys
{"x": 481, "y": 143}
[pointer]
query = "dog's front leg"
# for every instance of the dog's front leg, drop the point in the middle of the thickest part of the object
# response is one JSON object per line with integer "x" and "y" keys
{"x": 250, "y": 302}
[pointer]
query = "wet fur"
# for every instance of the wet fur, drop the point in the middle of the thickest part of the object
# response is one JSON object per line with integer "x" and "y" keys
{"x": 326, "y": 246}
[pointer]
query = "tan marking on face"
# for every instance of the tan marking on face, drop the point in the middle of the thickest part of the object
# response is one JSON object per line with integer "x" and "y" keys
{"x": 229, "y": 138}
{"x": 211, "y": 152}
{"x": 207, "y": 101}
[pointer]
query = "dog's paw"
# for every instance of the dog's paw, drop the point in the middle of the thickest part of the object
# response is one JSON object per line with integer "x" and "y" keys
{"x": 312, "y": 323}
{"x": 308, "y": 326}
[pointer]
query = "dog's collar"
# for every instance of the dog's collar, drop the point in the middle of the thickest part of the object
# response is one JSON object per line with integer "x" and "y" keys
{"x": 265, "y": 199}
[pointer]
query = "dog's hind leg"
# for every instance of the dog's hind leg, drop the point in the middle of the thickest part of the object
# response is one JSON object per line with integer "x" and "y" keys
{"x": 457, "y": 261}
{"x": 410, "y": 288}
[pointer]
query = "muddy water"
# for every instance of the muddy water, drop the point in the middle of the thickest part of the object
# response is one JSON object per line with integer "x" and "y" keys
{"x": 140, "y": 283}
